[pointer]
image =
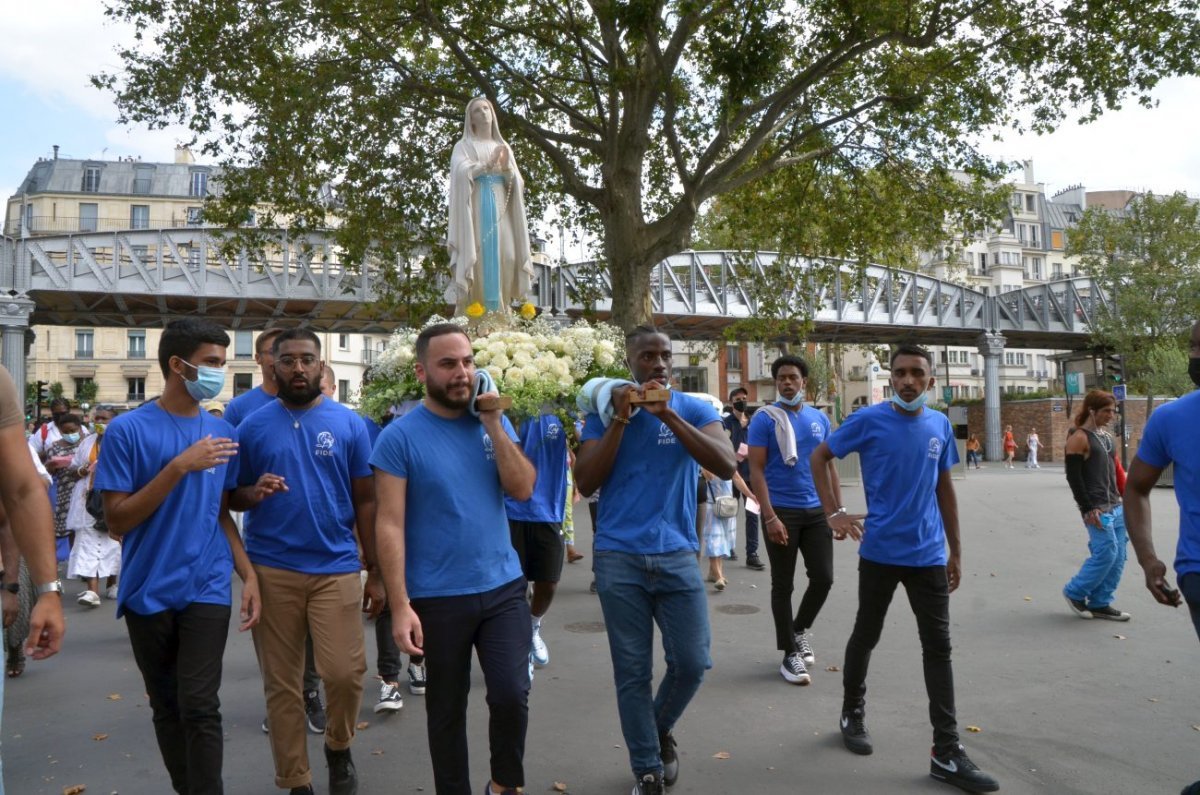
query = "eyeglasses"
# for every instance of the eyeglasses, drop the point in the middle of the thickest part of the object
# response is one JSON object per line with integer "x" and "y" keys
{"x": 307, "y": 361}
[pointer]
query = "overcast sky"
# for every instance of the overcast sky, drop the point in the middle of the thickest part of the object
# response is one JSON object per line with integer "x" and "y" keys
{"x": 49, "y": 101}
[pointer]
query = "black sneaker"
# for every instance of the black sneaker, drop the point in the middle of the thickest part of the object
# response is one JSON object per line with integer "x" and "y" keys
{"x": 343, "y": 778}
{"x": 592, "y": 587}
{"x": 1110, "y": 613}
{"x": 1078, "y": 607}
{"x": 315, "y": 711}
{"x": 754, "y": 562}
{"x": 956, "y": 768}
{"x": 670, "y": 759}
{"x": 733, "y": 555}
{"x": 1191, "y": 789}
{"x": 266, "y": 727}
{"x": 305, "y": 790}
{"x": 649, "y": 784}
{"x": 854, "y": 732}
{"x": 804, "y": 647}
{"x": 792, "y": 669}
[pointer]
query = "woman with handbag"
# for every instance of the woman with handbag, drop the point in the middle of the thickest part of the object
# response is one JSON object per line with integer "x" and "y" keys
{"x": 720, "y": 524}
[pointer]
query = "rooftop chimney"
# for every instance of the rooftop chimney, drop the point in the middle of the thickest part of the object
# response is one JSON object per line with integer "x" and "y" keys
{"x": 184, "y": 155}
{"x": 56, "y": 151}
{"x": 1028, "y": 164}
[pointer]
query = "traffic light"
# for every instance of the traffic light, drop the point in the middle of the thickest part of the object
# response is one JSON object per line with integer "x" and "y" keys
{"x": 43, "y": 392}
{"x": 1114, "y": 368}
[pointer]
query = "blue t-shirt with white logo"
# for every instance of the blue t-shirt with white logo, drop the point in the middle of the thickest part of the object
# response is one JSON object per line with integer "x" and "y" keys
{"x": 1172, "y": 436}
{"x": 246, "y": 404}
{"x": 902, "y": 457}
{"x": 790, "y": 486}
{"x": 648, "y": 503}
{"x": 310, "y": 527}
{"x": 544, "y": 442}
{"x": 179, "y": 555}
{"x": 456, "y": 533}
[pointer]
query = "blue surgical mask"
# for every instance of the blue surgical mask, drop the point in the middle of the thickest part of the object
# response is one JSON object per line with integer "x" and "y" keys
{"x": 71, "y": 438}
{"x": 795, "y": 401}
{"x": 208, "y": 384}
{"x": 910, "y": 405}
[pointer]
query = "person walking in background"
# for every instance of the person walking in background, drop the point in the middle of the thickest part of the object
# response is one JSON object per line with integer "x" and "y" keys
{"x": 95, "y": 553}
{"x": 782, "y": 439}
{"x": 973, "y": 451}
{"x": 1010, "y": 447}
{"x": 1092, "y": 474}
{"x": 737, "y": 425}
{"x": 1031, "y": 444}
{"x": 720, "y": 521}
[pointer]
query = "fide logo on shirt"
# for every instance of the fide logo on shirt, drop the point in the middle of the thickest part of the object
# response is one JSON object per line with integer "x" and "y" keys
{"x": 324, "y": 444}
{"x": 666, "y": 435}
{"x": 553, "y": 431}
{"x": 935, "y": 448}
{"x": 489, "y": 449}
{"x": 817, "y": 431}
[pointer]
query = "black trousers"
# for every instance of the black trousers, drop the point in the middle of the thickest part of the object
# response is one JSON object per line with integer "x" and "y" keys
{"x": 179, "y": 653}
{"x": 498, "y": 625}
{"x": 808, "y": 534}
{"x": 751, "y": 524}
{"x": 929, "y": 597}
{"x": 1189, "y": 586}
{"x": 387, "y": 661}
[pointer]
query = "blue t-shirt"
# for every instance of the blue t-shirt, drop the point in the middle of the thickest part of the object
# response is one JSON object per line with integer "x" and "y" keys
{"x": 790, "y": 486}
{"x": 179, "y": 555}
{"x": 245, "y": 404}
{"x": 648, "y": 503}
{"x": 310, "y": 527}
{"x": 456, "y": 533}
{"x": 373, "y": 429}
{"x": 902, "y": 457}
{"x": 1172, "y": 436}
{"x": 544, "y": 442}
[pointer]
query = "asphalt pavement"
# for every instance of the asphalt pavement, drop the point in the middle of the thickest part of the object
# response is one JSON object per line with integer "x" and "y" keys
{"x": 1048, "y": 703}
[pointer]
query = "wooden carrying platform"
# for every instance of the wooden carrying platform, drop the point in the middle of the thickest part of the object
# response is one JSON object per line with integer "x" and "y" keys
{"x": 502, "y": 402}
{"x": 651, "y": 396}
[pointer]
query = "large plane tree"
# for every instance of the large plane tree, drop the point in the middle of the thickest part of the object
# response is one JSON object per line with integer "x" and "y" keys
{"x": 627, "y": 116}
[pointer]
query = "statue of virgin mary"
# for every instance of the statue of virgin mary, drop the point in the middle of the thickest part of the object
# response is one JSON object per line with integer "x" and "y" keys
{"x": 489, "y": 236}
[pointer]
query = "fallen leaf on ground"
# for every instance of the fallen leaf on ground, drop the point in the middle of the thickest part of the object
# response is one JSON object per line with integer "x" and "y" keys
{"x": 1152, "y": 700}
{"x": 560, "y": 786}
{"x": 1195, "y": 727}
{"x": 1119, "y": 637}
{"x": 114, "y": 696}
{"x": 721, "y": 755}
{"x": 974, "y": 729}
{"x": 74, "y": 789}
{"x": 362, "y": 724}
{"x": 833, "y": 668}
{"x": 1028, "y": 598}
{"x": 99, "y": 737}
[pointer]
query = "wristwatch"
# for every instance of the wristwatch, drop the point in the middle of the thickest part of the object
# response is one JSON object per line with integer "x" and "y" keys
{"x": 54, "y": 586}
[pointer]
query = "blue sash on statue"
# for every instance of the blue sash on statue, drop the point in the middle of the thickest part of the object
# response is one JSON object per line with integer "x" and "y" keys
{"x": 489, "y": 238}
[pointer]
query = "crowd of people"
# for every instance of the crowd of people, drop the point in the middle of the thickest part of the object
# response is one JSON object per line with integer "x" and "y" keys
{"x": 324, "y": 515}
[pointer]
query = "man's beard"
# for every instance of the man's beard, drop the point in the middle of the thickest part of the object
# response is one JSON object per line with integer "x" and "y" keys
{"x": 299, "y": 396}
{"x": 441, "y": 396}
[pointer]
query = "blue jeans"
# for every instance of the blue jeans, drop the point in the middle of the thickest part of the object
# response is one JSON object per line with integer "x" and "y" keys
{"x": 1097, "y": 581}
{"x": 637, "y": 591}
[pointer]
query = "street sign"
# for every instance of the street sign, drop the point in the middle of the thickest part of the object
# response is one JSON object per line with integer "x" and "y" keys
{"x": 1119, "y": 391}
{"x": 1074, "y": 383}
{"x": 947, "y": 394}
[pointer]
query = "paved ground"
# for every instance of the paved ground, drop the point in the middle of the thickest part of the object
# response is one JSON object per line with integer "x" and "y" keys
{"x": 1064, "y": 705}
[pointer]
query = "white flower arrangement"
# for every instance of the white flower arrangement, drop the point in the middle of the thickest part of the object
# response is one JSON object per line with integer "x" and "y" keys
{"x": 533, "y": 361}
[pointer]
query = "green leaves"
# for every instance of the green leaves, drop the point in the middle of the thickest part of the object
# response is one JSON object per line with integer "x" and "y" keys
{"x": 627, "y": 116}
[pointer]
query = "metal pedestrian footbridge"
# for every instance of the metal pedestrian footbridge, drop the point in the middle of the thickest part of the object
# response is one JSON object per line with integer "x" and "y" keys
{"x": 142, "y": 278}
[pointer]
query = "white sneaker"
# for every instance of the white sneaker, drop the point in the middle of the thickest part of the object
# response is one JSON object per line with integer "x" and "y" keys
{"x": 89, "y": 598}
{"x": 390, "y": 699}
{"x": 538, "y": 652}
{"x": 111, "y": 593}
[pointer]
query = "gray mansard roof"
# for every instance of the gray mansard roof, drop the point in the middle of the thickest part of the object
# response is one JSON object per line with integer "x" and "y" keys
{"x": 120, "y": 177}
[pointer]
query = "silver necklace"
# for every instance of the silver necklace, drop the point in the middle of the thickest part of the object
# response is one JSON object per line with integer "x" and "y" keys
{"x": 295, "y": 419}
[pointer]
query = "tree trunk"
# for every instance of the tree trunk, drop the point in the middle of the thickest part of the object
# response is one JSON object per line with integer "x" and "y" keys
{"x": 631, "y": 292}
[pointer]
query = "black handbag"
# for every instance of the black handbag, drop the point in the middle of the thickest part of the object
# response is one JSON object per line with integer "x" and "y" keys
{"x": 94, "y": 504}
